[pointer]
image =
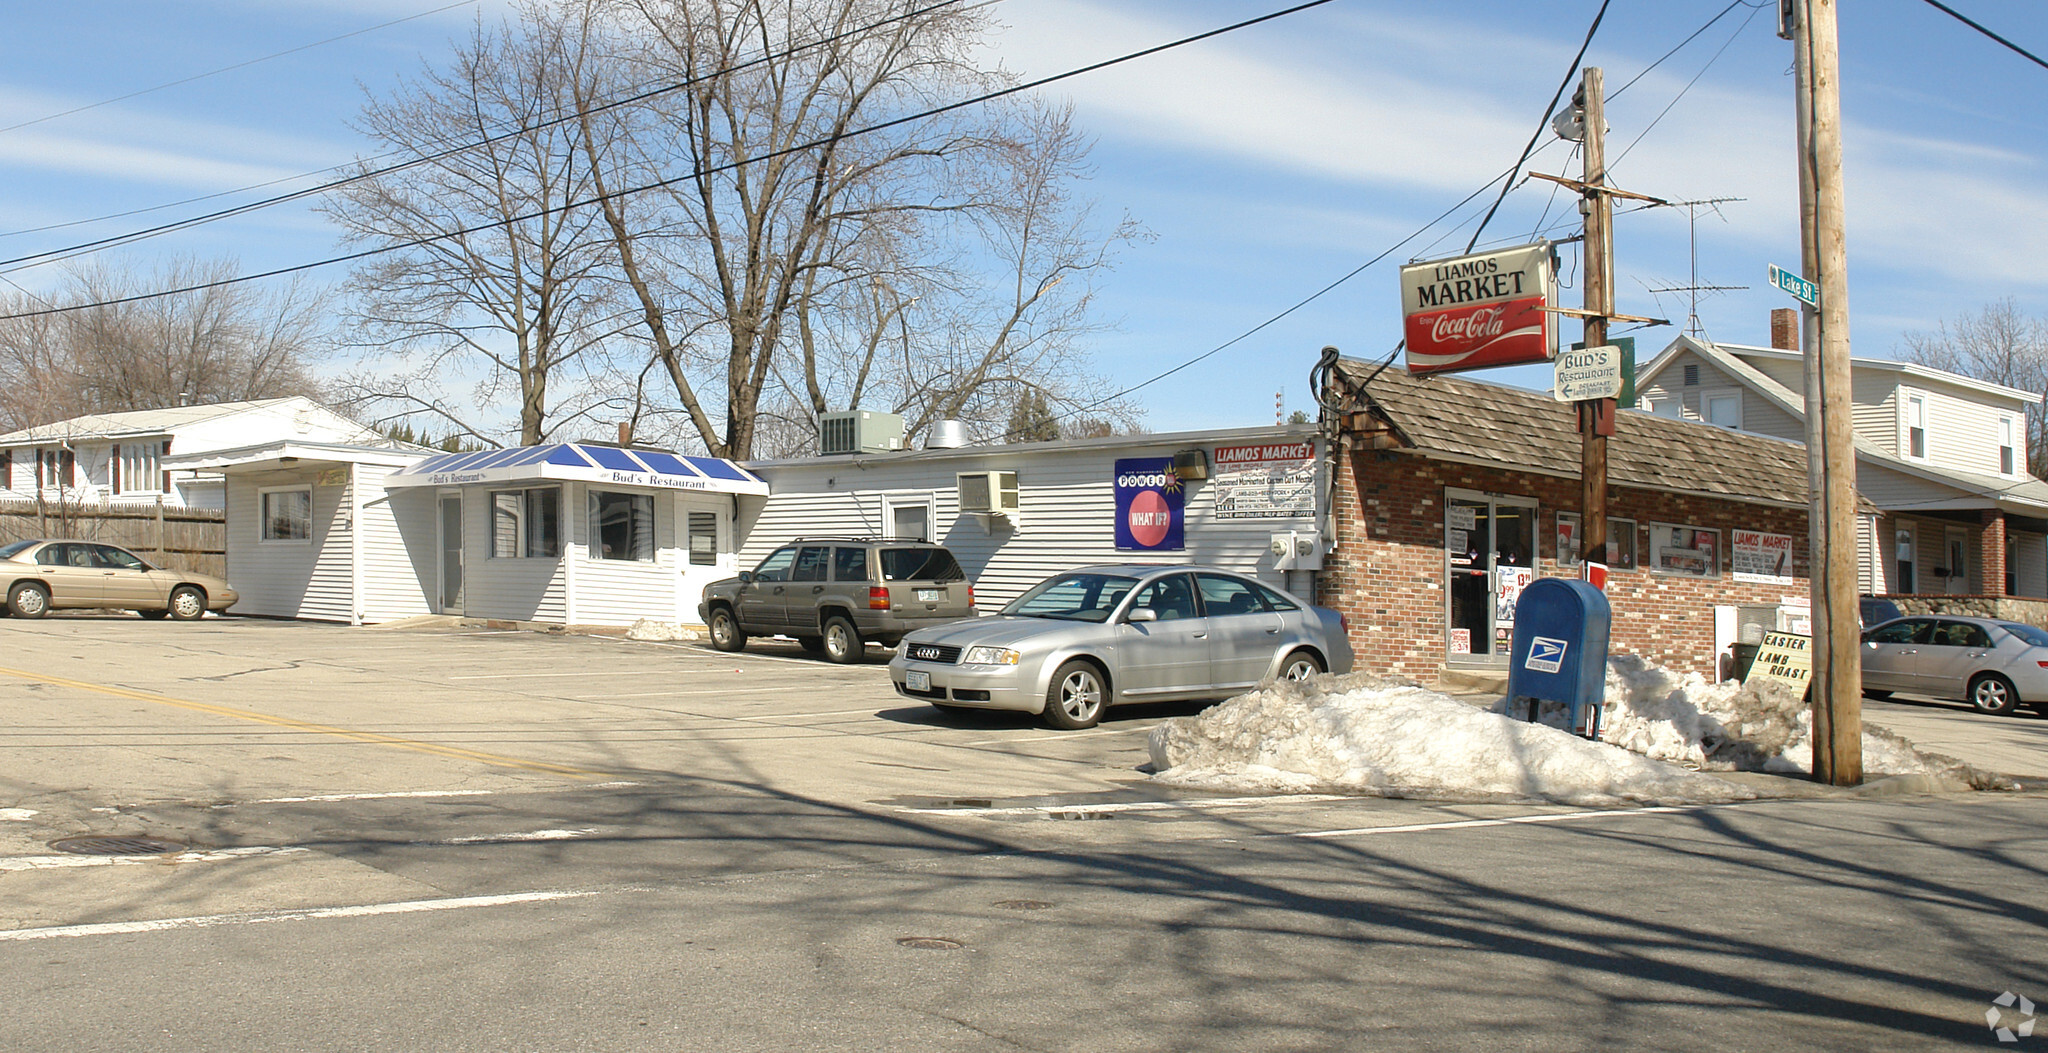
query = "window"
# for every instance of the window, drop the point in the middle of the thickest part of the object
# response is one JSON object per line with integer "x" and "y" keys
{"x": 776, "y": 566}
{"x": 850, "y": 564}
{"x": 811, "y": 562}
{"x": 526, "y": 523}
{"x": 112, "y": 558}
{"x": 621, "y": 525}
{"x": 1685, "y": 550}
{"x": 6, "y": 469}
{"x": 1903, "y": 554}
{"x": 287, "y": 514}
{"x": 1725, "y": 410}
{"x": 53, "y": 468}
{"x": 920, "y": 564}
{"x": 135, "y": 469}
{"x": 1172, "y": 597}
{"x": 1275, "y": 600}
{"x": 1916, "y": 426}
{"x": 1692, "y": 374}
{"x": 1072, "y": 597}
{"x": 2008, "y": 448}
{"x": 703, "y": 539}
{"x": 1621, "y": 541}
{"x": 1223, "y": 597}
{"x": 1912, "y": 630}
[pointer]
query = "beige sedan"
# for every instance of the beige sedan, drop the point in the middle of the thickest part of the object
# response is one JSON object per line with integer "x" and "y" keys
{"x": 41, "y": 576}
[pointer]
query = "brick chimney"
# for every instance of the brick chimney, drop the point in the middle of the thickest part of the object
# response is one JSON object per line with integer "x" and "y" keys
{"x": 1784, "y": 329}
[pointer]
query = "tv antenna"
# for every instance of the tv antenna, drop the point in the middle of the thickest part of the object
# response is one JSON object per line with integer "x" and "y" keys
{"x": 1693, "y": 290}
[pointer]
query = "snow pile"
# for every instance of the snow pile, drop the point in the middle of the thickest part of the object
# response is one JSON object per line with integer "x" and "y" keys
{"x": 1368, "y": 734}
{"x": 1760, "y": 726}
{"x": 649, "y": 629}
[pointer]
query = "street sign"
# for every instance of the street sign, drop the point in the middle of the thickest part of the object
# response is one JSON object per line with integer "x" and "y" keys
{"x": 1802, "y": 290}
{"x": 1588, "y": 373}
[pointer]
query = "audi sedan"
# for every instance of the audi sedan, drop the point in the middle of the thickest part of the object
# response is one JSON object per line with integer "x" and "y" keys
{"x": 1995, "y": 665}
{"x": 1079, "y": 642}
{"x": 37, "y": 577}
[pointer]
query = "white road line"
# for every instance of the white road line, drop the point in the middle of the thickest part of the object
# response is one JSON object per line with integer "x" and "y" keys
{"x": 1463, "y": 824}
{"x": 1130, "y": 806}
{"x": 585, "y": 674}
{"x": 17, "y": 815}
{"x": 368, "y": 796}
{"x": 19, "y": 863}
{"x": 1063, "y": 735}
{"x": 532, "y": 835}
{"x": 265, "y": 917}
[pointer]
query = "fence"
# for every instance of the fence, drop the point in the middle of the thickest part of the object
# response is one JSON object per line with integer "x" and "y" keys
{"x": 193, "y": 539}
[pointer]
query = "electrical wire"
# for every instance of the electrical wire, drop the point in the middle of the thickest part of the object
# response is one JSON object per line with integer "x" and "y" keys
{"x": 700, "y": 172}
{"x": 1960, "y": 17}
{"x": 1542, "y": 124}
{"x": 115, "y": 241}
{"x": 1616, "y": 93}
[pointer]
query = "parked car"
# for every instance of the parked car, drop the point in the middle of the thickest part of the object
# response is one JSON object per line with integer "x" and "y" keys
{"x": 836, "y": 595}
{"x": 44, "y": 575}
{"x": 1079, "y": 642}
{"x": 1873, "y": 611}
{"x": 1995, "y": 665}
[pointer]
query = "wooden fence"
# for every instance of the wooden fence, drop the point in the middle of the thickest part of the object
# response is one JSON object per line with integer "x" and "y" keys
{"x": 192, "y": 539}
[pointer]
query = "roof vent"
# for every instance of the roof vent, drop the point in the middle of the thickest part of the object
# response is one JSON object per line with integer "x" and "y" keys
{"x": 1692, "y": 374}
{"x": 947, "y": 435}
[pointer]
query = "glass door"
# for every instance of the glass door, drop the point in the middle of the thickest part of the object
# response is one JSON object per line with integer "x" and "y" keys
{"x": 1490, "y": 557}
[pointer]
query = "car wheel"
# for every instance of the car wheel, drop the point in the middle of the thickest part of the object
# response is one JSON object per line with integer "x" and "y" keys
{"x": 725, "y": 631}
{"x": 28, "y": 600}
{"x": 1879, "y": 695}
{"x": 1300, "y": 666}
{"x": 153, "y": 613}
{"x": 842, "y": 641}
{"x": 1992, "y": 693}
{"x": 1077, "y": 696}
{"x": 187, "y": 603}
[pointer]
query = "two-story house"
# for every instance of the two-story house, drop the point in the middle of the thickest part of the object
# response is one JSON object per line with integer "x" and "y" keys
{"x": 1941, "y": 456}
{"x": 115, "y": 459}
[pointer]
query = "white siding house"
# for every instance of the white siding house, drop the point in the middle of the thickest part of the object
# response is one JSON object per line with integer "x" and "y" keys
{"x": 117, "y": 459}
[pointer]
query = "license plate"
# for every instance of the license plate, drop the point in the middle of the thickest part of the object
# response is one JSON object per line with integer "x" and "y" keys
{"x": 930, "y": 595}
{"x": 916, "y": 680}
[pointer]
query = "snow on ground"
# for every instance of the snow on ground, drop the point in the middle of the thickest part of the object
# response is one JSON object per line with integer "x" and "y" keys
{"x": 1662, "y": 732}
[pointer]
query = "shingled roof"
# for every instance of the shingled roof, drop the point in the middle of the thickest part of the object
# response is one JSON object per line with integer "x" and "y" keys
{"x": 1466, "y": 420}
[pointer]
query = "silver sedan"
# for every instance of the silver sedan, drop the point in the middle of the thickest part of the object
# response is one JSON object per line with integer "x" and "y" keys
{"x": 1079, "y": 642}
{"x": 1994, "y": 664}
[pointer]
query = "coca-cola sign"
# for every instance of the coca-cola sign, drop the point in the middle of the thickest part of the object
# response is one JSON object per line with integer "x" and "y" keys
{"x": 1475, "y": 312}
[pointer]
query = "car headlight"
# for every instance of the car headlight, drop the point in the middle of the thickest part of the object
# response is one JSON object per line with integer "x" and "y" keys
{"x": 990, "y": 656}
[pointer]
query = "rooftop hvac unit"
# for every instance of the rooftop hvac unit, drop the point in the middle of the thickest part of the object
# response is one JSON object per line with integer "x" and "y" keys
{"x": 859, "y": 431}
{"x": 989, "y": 493}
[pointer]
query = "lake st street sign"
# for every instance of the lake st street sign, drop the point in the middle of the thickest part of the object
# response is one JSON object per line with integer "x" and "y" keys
{"x": 1802, "y": 290}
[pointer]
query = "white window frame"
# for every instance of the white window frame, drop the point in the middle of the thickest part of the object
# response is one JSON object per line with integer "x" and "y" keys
{"x": 522, "y": 526}
{"x": 926, "y": 501}
{"x": 1707, "y": 400}
{"x": 1913, "y": 403}
{"x": 263, "y": 518}
{"x": 130, "y": 459}
{"x": 1660, "y": 540}
{"x": 2009, "y": 463}
{"x": 636, "y": 501}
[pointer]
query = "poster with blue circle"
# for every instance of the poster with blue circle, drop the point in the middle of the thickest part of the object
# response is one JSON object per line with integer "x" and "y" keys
{"x": 1150, "y": 505}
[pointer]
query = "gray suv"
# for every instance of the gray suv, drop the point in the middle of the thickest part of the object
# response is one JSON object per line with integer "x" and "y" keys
{"x": 835, "y": 594}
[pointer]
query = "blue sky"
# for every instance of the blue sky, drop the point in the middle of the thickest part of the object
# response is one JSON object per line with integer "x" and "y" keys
{"x": 1267, "y": 163}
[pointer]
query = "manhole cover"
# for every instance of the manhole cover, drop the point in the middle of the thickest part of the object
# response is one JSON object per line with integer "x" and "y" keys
{"x": 116, "y": 846}
{"x": 1023, "y": 904}
{"x": 929, "y": 943}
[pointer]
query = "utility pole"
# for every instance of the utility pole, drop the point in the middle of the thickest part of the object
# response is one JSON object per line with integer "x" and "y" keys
{"x": 1596, "y": 416}
{"x": 1837, "y": 679}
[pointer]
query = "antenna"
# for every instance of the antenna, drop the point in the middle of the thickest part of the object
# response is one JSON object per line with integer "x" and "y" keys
{"x": 1693, "y": 291}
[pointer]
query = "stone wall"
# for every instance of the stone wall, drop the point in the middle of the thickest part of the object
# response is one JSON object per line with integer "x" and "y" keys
{"x": 1387, "y": 573}
{"x": 2008, "y": 608}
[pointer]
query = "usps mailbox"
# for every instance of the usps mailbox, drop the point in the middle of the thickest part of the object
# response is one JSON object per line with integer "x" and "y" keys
{"x": 1560, "y": 651}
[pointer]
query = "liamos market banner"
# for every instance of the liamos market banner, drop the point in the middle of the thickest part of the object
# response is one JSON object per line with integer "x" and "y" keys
{"x": 1150, "y": 505}
{"x": 1479, "y": 311}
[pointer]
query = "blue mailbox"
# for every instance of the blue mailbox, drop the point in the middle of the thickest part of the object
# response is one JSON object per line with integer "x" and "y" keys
{"x": 1560, "y": 651}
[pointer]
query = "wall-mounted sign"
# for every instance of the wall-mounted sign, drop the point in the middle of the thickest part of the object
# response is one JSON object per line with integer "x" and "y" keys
{"x": 1149, "y": 505}
{"x": 1267, "y": 481}
{"x": 1760, "y": 557}
{"x": 1479, "y": 311}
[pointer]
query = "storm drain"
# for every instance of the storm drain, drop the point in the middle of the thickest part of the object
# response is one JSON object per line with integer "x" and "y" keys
{"x": 116, "y": 846}
{"x": 929, "y": 943}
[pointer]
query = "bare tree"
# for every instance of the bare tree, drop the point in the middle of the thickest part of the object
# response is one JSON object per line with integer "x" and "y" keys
{"x": 936, "y": 266}
{"x": 222, "y": 343}
{"x": 1998, "y": 344}
{"x": 498, "y": 278}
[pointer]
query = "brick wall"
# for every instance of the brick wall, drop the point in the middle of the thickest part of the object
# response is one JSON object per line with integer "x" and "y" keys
{"x": 1387, "y": 573}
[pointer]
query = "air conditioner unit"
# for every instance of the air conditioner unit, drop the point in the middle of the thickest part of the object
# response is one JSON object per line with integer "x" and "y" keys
{"x": 859, "y": 431}
{"x": 988, "y": 493}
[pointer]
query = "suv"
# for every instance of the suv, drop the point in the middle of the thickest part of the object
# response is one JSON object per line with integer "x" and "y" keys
{"x": 835, "y": 594}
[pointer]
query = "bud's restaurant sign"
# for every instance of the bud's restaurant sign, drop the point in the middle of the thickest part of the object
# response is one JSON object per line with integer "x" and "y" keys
{"x": 1473, "y": 312}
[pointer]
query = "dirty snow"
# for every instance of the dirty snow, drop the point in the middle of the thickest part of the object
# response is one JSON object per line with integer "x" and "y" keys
{"x": 1662, "y": 734}
{"x": 660, "y": 631}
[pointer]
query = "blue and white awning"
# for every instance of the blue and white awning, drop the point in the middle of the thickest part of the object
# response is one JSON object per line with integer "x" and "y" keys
{"x": 582, "y": 463}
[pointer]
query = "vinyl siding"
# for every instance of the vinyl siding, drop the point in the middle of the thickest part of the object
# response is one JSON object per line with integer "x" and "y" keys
{"x": 396, "y": 545}
{"x": 1789, "y": 373}
{"x": 515, "y": 588}
{"x": 1066, "y": 518}
{"x": 330, "y": 589}
{"x": 1874, "y": 410}
{"x": 1961, "y": 433}
{"x": 620, "y": 591}
{"x": 2030, "y": 552}
{"x": 277, "y": 578}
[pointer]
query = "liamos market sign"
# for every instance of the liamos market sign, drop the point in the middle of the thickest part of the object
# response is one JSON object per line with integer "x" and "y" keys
{"x": 1474, "y": 312}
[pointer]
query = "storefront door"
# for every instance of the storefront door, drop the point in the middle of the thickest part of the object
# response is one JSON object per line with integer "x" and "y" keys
{"x": 451, "y": 553}
{"x": 708, "y": 554}
{"x": 1489, "y": 558}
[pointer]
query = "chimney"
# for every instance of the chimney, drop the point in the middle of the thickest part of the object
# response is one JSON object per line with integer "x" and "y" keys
{"x": 625, "y": 434}
{"x": 1784, "y": 329}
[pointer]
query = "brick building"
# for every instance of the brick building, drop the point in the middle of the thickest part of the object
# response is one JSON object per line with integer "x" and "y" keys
{"x": 1450, "y": 495}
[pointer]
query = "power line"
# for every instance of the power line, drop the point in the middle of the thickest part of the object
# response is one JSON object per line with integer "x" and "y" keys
{"x": 1960, "y": 17}
{"x": 229, "y": 69}
{"x": 696, "y": 173}
{"x": 58, "y": 255}
{"x": 1681, "y": 44}
{"x": 1542, "y": 124}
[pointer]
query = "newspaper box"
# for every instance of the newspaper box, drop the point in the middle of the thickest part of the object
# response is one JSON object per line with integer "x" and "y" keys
{"x": 1560, "y": 652}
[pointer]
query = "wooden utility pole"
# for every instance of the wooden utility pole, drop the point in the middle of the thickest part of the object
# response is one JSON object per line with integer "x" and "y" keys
{"x": 1830, "y": 451}
{"x": 1596, "y": 416}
